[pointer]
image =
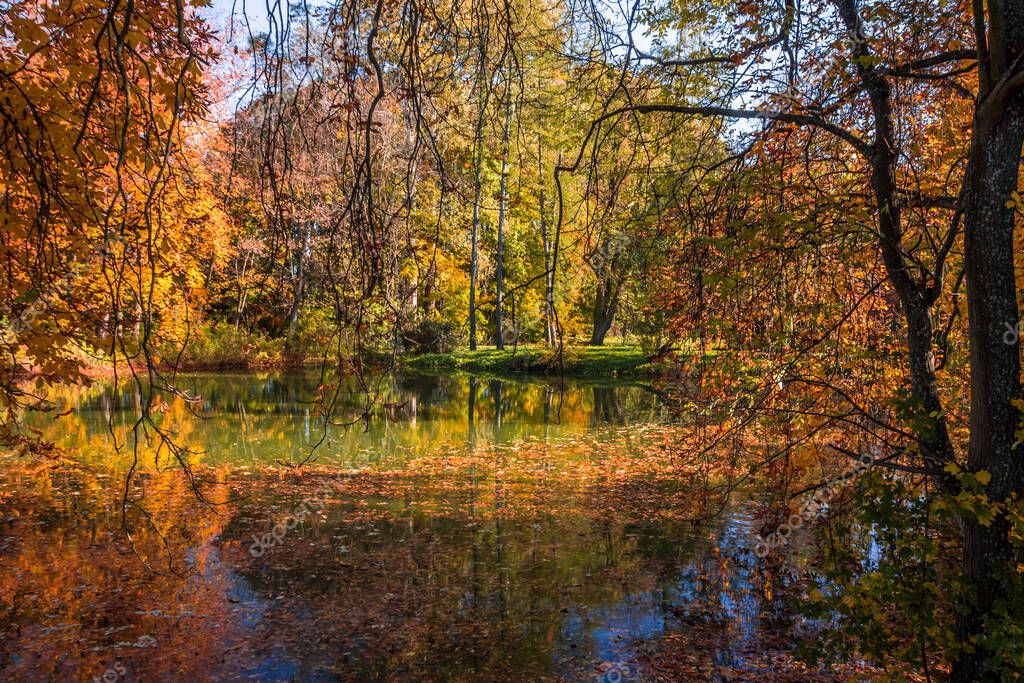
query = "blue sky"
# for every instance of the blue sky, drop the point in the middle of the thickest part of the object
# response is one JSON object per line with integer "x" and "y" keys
{"x": 255, "y": 12}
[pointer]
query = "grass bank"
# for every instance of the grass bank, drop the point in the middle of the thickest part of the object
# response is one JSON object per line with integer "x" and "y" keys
{"x": 583, "y": 361}
{"x": 254, "y": 352}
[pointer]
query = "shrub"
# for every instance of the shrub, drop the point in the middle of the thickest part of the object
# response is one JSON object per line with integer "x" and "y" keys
{"x": 432, "y": 336}
{"x": 221, "y": 345}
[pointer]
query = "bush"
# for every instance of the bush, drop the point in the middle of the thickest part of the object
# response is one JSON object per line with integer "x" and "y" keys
{"x": 432, "y": 336}
{"x": 221, "y": 345}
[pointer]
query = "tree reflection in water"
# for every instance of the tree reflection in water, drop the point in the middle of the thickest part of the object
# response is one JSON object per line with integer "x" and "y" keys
{"x": 548, "y": 545}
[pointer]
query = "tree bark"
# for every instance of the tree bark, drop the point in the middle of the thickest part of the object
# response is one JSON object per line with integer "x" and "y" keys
{"x": 477, "y": 186}
{"x": 499, "y": 257}
{"x": 474, "y": 239}
{"x": 549, "y": 274}
{"x": 993, "y": 317}
{"x": 606, "y": 302}
{"x": 298, "y": 281}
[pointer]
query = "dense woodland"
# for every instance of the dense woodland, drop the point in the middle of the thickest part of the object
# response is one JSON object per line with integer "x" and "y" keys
{"x": 808, "y": 211}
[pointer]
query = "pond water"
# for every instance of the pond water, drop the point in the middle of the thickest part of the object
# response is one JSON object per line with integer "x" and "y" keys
{"x": 464, "y": 529}
{"x": 241, "y": 419}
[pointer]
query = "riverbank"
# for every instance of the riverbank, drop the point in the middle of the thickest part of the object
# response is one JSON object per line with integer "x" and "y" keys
{"x": 623, "y": 361}
{"x": 620, "y": 361}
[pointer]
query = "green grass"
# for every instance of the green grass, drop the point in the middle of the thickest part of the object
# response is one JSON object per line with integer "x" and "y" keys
{"x": 584, "y": 361}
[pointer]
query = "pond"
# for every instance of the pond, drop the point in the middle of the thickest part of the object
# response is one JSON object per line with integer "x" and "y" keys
{"x": 241, "y": 419}
{"x": 464, "y": 529}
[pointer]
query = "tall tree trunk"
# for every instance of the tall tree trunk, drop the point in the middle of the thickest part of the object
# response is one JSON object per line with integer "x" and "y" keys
{"x": 244, "y": 296}
{"x": 549, "y": 275}
{"x": 411, "y": 306}
{"x": 477, "y": 187}
{"x": 992, "y": 175}
{"x": 474, "y": 240}
{"x": 499, "y": 270}
{"x": 298, "y": 281}
{"x": 606, "y": 302}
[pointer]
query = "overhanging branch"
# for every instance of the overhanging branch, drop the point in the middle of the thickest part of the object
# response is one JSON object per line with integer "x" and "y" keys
{"x": 863, "y": 147}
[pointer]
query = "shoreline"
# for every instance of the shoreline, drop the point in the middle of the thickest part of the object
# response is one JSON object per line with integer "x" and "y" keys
{"x": 596, "y": 362}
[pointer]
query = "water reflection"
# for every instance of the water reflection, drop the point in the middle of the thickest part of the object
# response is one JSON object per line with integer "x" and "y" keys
{"x": 497, "y": 531}
{"x": 262, "y": 419}
{"x": 417, "y": 582}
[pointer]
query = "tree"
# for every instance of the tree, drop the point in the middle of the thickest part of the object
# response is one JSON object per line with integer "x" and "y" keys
{"x": 483, "y": 93}
{"x": 901, "y": 67}
{"x": 499, "y": 334}
{"x": 100, "y": 105}
{"x": 990, "y": 181}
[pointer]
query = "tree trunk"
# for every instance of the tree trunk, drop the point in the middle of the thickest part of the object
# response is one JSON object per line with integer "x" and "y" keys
{"x": 474, "y": 239}
{"x": 298, "y": 281}
{"x": 243, "y": 297}
{"x": 993, "y": 316}
{"x": 606, "y": 302}
{"x": 479, "y": 153}
{"x": 549, "y": 274}
{"x": 499, "y": 334}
